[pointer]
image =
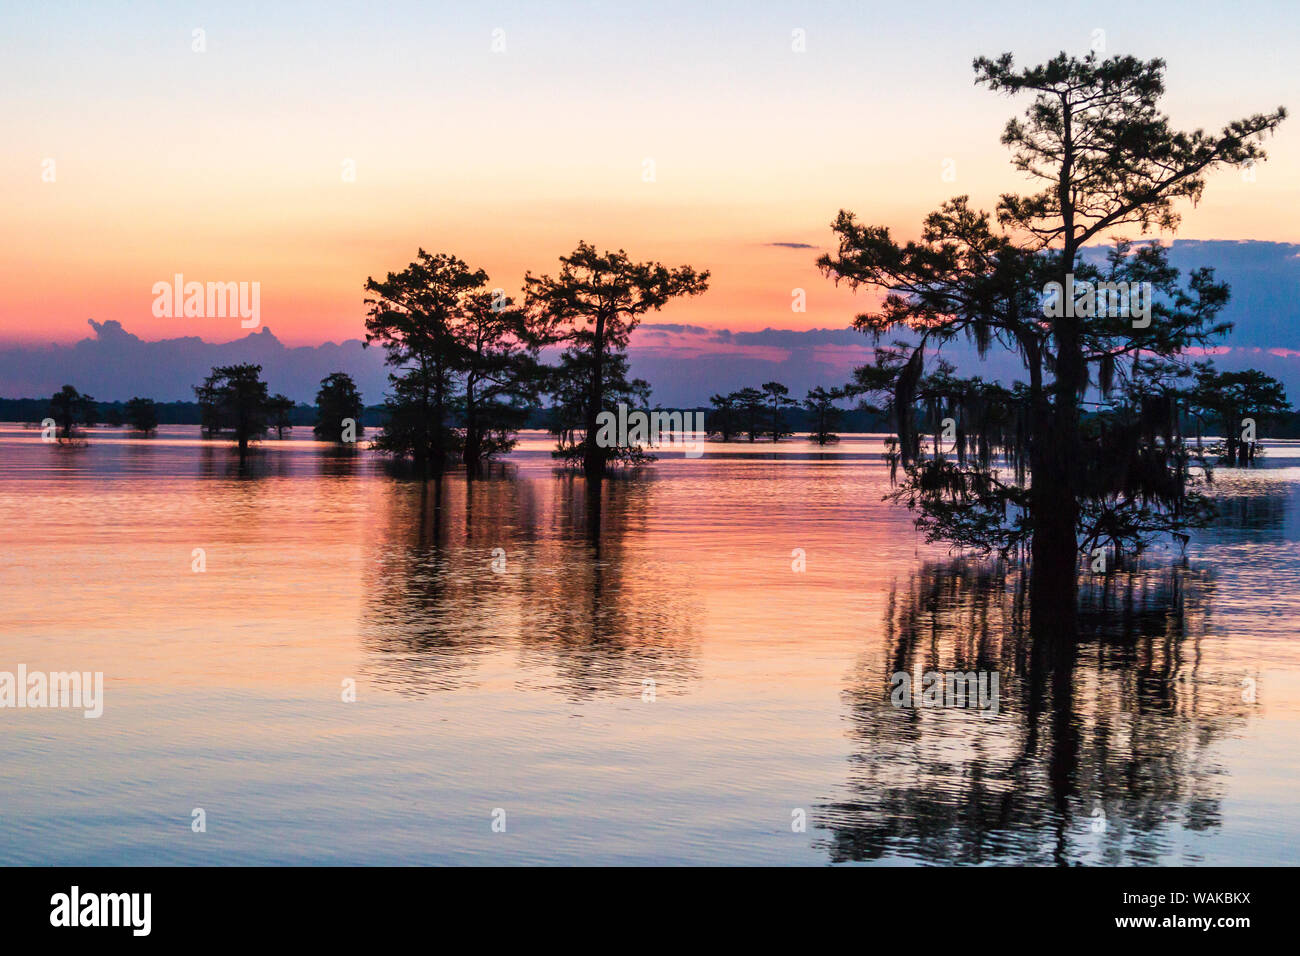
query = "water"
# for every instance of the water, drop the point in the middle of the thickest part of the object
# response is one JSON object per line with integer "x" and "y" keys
{"x": 641, "y": 679}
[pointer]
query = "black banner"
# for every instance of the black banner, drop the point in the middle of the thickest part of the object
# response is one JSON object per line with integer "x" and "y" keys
{"x": 332, "y": 904}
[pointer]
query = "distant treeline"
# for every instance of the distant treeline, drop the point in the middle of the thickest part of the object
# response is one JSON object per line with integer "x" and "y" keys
{"x": 34, "y": 410}
{"x": 169, "y": 413}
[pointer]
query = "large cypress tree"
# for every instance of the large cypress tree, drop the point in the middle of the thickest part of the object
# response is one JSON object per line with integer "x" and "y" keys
{"x": 1031, "y": 471}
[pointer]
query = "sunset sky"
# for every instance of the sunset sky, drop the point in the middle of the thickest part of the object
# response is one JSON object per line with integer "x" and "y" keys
{"x": 227, "y": 164}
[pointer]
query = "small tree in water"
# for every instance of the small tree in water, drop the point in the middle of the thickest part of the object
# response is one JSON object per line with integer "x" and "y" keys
{"x": 777, "y": 399}
{"x": 234, "y": 398}
{"x": 279, "y": 409}
{"x": 824, "y": 413}
{"x": 411, "y": 315}
{"x": 569, "y": 385}
{"x": 142, "y": 415}
{"x": 1033, "y": 473}
{"x": 336, "y": 401}
{"x": 722, "y": 419}
{"x": 501, "y": 378}
{"x": 69, "y": 408}
{"x": 749, "y": 407}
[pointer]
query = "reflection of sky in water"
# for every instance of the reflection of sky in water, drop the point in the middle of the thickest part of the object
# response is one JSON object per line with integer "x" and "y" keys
{"x": 524, "y": 689}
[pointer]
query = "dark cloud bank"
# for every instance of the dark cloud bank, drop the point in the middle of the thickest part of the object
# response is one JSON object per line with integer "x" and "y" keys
{"x": 685, "y": 363}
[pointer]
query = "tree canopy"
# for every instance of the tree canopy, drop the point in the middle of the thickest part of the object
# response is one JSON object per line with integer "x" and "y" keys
{"x": 234, "y": 398}
{"x": 70, "y": 408}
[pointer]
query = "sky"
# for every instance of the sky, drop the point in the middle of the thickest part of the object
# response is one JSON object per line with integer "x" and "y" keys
{"x": 229, "y": 164}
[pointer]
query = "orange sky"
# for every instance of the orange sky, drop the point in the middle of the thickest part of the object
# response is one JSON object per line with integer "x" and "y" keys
{"x": 227, "y": 165}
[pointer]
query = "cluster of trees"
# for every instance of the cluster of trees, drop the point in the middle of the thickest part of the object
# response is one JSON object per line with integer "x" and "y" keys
{"x": 757, "y": 412}
{"x": 466, "y": 358}
{"x": 234, "y": 400}
{"x": 1235, "y": 405}
{"x": 71, "y": 409}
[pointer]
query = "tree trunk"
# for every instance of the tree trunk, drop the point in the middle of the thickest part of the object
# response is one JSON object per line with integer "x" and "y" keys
{"x": 1054, "y": 554}
{"x": 1054, "y": 510}
{"x": 1055, "y": 455}
{"x": 1054, "y": 464}
{"x": 438, "y": 444}
{"x": 473, "y": 446}
{"x": 422, "y": 430}
{"x": 594, "y": 457}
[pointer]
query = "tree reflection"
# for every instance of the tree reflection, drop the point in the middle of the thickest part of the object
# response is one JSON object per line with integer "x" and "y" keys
{"x": 1103, "y": 746}
{"x": 467, "y": 569}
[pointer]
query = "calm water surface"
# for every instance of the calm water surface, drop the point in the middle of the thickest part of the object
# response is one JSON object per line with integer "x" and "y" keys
{"x": 642, "y": 677}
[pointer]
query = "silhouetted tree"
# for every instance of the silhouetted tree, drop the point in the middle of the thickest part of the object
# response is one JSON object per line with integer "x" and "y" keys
{"x": 777, "y": 399}
{"x": 591, "y": 306}
{"x": 824, "y": 413}
{"x": 337, "y": 399}
{"x": 749, "y": 406}
{"x": 142, "y": 414}
{"x": 466, "y": 356}
{"x": 206, "y": 397}
{"x": 278, "y": 408}
{"x": 234, "y": 398}
{"x": 1238, "y": 403}
{"x": 722, "y": 420}
{"x": 413, "y": 313}
{"x": 1108, "y": 159}
{"x": 69, "y": 408}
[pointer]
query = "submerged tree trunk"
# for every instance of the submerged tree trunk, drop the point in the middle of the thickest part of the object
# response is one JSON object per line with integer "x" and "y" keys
{"x": 1056, "y": 462}
{"x": 1055, "y": 505}
{"x": 1054, "y": 549}
{"x": 473, "y": 444}
{"x": 1054, "y": 554}
{"x": 593, "y": 456}
{"x": 439, "y": 449}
